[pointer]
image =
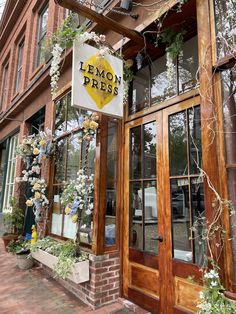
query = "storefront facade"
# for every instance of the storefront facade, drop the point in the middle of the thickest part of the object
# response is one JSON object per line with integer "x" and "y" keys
{"x": 158, "y": 171}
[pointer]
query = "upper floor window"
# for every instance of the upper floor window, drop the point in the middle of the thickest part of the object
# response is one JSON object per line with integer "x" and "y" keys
{"x": 4, "y": 88}
{"x": 152, "y": 83}
{"x": 19, "y": 66}
{"x": 42, "y": 30}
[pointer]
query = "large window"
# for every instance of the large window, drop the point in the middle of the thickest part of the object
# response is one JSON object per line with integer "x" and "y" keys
{"x": 72, "y": 155}
{"x": 42, "y": 30}
{"x": 153, "y": 85}
{"x": 10, "y": 171}
{"x": 19, "y": 65}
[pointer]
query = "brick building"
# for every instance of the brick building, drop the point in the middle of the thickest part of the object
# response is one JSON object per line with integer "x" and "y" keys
{"x": 149, "y": 189}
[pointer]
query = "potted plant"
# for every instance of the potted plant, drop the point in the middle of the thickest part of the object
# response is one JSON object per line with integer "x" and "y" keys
{"x": 64, "y": 258}
{"x": 21, "y": 249}
{"x": 13, "y": 220}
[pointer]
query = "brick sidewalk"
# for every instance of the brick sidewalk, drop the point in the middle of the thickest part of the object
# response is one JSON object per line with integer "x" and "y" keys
{"x": 34, "y": 292}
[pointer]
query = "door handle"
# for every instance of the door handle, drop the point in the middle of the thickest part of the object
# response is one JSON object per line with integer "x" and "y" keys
{"x": 158, "y": 238}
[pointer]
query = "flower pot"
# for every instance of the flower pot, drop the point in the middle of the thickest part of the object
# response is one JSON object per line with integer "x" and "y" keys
{"x": 8, "y": 238}
{"x": 80, "y": 271}
{"x": 24, "y": 261}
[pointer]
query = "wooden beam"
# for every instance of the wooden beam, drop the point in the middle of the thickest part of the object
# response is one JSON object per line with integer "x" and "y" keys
{"x": 102, "y": 20}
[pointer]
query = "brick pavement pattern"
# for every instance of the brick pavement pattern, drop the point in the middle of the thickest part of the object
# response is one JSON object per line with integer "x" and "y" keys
{"x": 34, "y": 292}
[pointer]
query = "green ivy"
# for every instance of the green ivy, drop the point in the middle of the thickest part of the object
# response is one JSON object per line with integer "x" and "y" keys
{"x": 174, "y": 42}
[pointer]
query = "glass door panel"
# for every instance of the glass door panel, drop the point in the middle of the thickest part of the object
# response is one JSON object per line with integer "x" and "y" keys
{"x": 143, "y": 188}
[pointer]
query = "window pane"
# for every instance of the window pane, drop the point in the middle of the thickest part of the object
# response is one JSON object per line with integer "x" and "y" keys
{"x": 69, "y": 228}
{"x": 198, "y": 210}
{"x": 195, "y": 145}
{"x": 135, "y": 151}
{"x": 178, "y": 144}
{"x": 73, "y": 157}
{"x": 140, "y": 92}
{"x": 180, "y": 219}
{"x": 161, "y": 86}
{"x": 150, "y": 217}
{"x": 60, "y": 162}
{"x": 60, "y": 120}
{"x": 232, "y": 198}
{"x": 229, "y": 111}
{"x": 57, "y": 211}
{"x": 72, "y": 115}
{"x": 112, "y": 155}
{"x": 225, "y": 26}
{"x": 149, "y": 147}
{"x": 136, "y": 214}
{"x": 188, "y": 65}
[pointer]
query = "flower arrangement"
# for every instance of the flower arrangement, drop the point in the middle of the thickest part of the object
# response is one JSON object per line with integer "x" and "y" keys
{"x": 77, "y": 196}
{"x": 212, "y": 299}
{"x": 89, "y": 126}
{"x": 33, "y": 149}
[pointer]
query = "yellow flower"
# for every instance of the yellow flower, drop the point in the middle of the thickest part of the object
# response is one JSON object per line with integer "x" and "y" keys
{"x": 42, "y": 143}
{"x": 36, "y": 186}
{"x": 86, "y": 124}
{"x": 74, "y": 218}
{"x": 37, "y": 195}
{"x": 36, "y": 151}
{"x": 93, "y": 125}
{"x": 67, "y": 210}
{"x": 29, "y": 203}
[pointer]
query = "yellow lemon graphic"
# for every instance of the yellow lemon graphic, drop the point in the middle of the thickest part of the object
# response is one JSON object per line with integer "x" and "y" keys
{"x": 100, "y": 81}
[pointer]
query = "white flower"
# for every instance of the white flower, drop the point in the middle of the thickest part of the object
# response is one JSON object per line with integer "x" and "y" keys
{"x": 88, "y": 212}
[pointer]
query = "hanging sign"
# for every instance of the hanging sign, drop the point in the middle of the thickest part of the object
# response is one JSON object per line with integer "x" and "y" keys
{"x": 97, "y": 81}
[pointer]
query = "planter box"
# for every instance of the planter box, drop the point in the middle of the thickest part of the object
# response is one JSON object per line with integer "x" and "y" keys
{"x": 80, "y": 271}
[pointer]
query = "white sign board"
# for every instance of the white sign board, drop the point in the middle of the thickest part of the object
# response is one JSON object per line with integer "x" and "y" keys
{"x": 97, "y": 81}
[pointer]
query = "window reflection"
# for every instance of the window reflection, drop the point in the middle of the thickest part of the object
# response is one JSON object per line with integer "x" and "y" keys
{"x": 187, "y": 194}
{"x": 178, "y": 144}
{"x": 149, "y": 154}
{"x": 188, "y": 65}
{"x": 225, "y": 26}
{"x": 112, "y": 157}
{"x": 135, "y": 141}
{"x": 160, "y": 88}
{"x": 153, "y": 85}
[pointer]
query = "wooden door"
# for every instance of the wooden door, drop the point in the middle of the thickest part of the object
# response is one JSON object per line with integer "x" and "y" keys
{"x": 163, "y": 196}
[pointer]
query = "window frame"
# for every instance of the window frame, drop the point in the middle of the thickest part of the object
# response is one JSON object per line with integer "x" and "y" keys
{"x": 4, "y": 89}
{"x": 19, "y": 65}
{"x": 40, "y": 34}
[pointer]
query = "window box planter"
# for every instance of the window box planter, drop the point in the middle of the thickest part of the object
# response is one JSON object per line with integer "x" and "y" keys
{"x": 80, "y": 271}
